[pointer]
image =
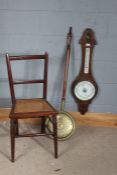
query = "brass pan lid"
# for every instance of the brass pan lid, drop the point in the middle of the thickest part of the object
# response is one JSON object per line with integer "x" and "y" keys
{"x": 65, "y": 125}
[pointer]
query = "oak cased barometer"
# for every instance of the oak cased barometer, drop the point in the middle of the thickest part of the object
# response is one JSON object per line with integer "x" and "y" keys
{"x": 84, "y": 87}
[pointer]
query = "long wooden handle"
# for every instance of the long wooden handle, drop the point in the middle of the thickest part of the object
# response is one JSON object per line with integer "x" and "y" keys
{"x": 66, "y": 67}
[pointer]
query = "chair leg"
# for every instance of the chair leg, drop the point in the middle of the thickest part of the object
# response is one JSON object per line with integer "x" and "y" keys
{"x": 12, "y": 132}
{"x": 43, "y": 124}
{"x": 17, "y": 127}
{"x": 55, "y": 137}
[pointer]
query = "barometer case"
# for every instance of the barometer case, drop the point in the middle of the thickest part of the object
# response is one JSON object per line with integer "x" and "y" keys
{"x": 84, "y": 87}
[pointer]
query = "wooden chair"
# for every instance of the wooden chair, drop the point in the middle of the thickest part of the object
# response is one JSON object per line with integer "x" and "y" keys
{"x": 30, "y": 108}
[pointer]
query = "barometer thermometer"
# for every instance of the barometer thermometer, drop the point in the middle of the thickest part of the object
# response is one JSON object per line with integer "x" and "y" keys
{"x": 85, "y": 88}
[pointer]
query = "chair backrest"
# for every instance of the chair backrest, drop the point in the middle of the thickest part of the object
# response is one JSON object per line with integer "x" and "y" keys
{"x": 13, "y": 82}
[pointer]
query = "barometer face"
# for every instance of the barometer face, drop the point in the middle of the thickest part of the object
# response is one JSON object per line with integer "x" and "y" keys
{"x": 84, "y": 90}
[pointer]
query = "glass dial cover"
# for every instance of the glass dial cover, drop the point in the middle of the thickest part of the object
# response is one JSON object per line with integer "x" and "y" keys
{"x": 84, "y": 90}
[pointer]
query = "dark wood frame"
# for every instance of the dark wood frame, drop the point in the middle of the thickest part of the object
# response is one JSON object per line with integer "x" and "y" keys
{"x": 83, "y": 105}
{"x": 14, "y": 117}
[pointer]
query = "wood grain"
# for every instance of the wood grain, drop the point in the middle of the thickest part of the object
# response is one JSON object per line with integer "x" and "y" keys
{"x": 92, "y": 119}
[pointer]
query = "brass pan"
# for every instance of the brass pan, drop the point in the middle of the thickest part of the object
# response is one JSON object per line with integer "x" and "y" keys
{"x": 65, "y": 125}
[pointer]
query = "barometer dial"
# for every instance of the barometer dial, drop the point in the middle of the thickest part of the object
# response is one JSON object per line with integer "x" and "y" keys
{"x": 84, "y": 90}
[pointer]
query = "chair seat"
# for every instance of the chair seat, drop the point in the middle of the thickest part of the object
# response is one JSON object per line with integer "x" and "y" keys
{"x": 32, "y": 108}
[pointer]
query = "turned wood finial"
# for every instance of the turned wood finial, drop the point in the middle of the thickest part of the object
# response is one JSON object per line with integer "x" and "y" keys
{"x": 88, "y": 36}
{"x": 69, "y": 36}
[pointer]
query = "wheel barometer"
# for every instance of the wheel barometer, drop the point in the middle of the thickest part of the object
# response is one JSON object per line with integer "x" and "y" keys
{"x": 84, "y": 88}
